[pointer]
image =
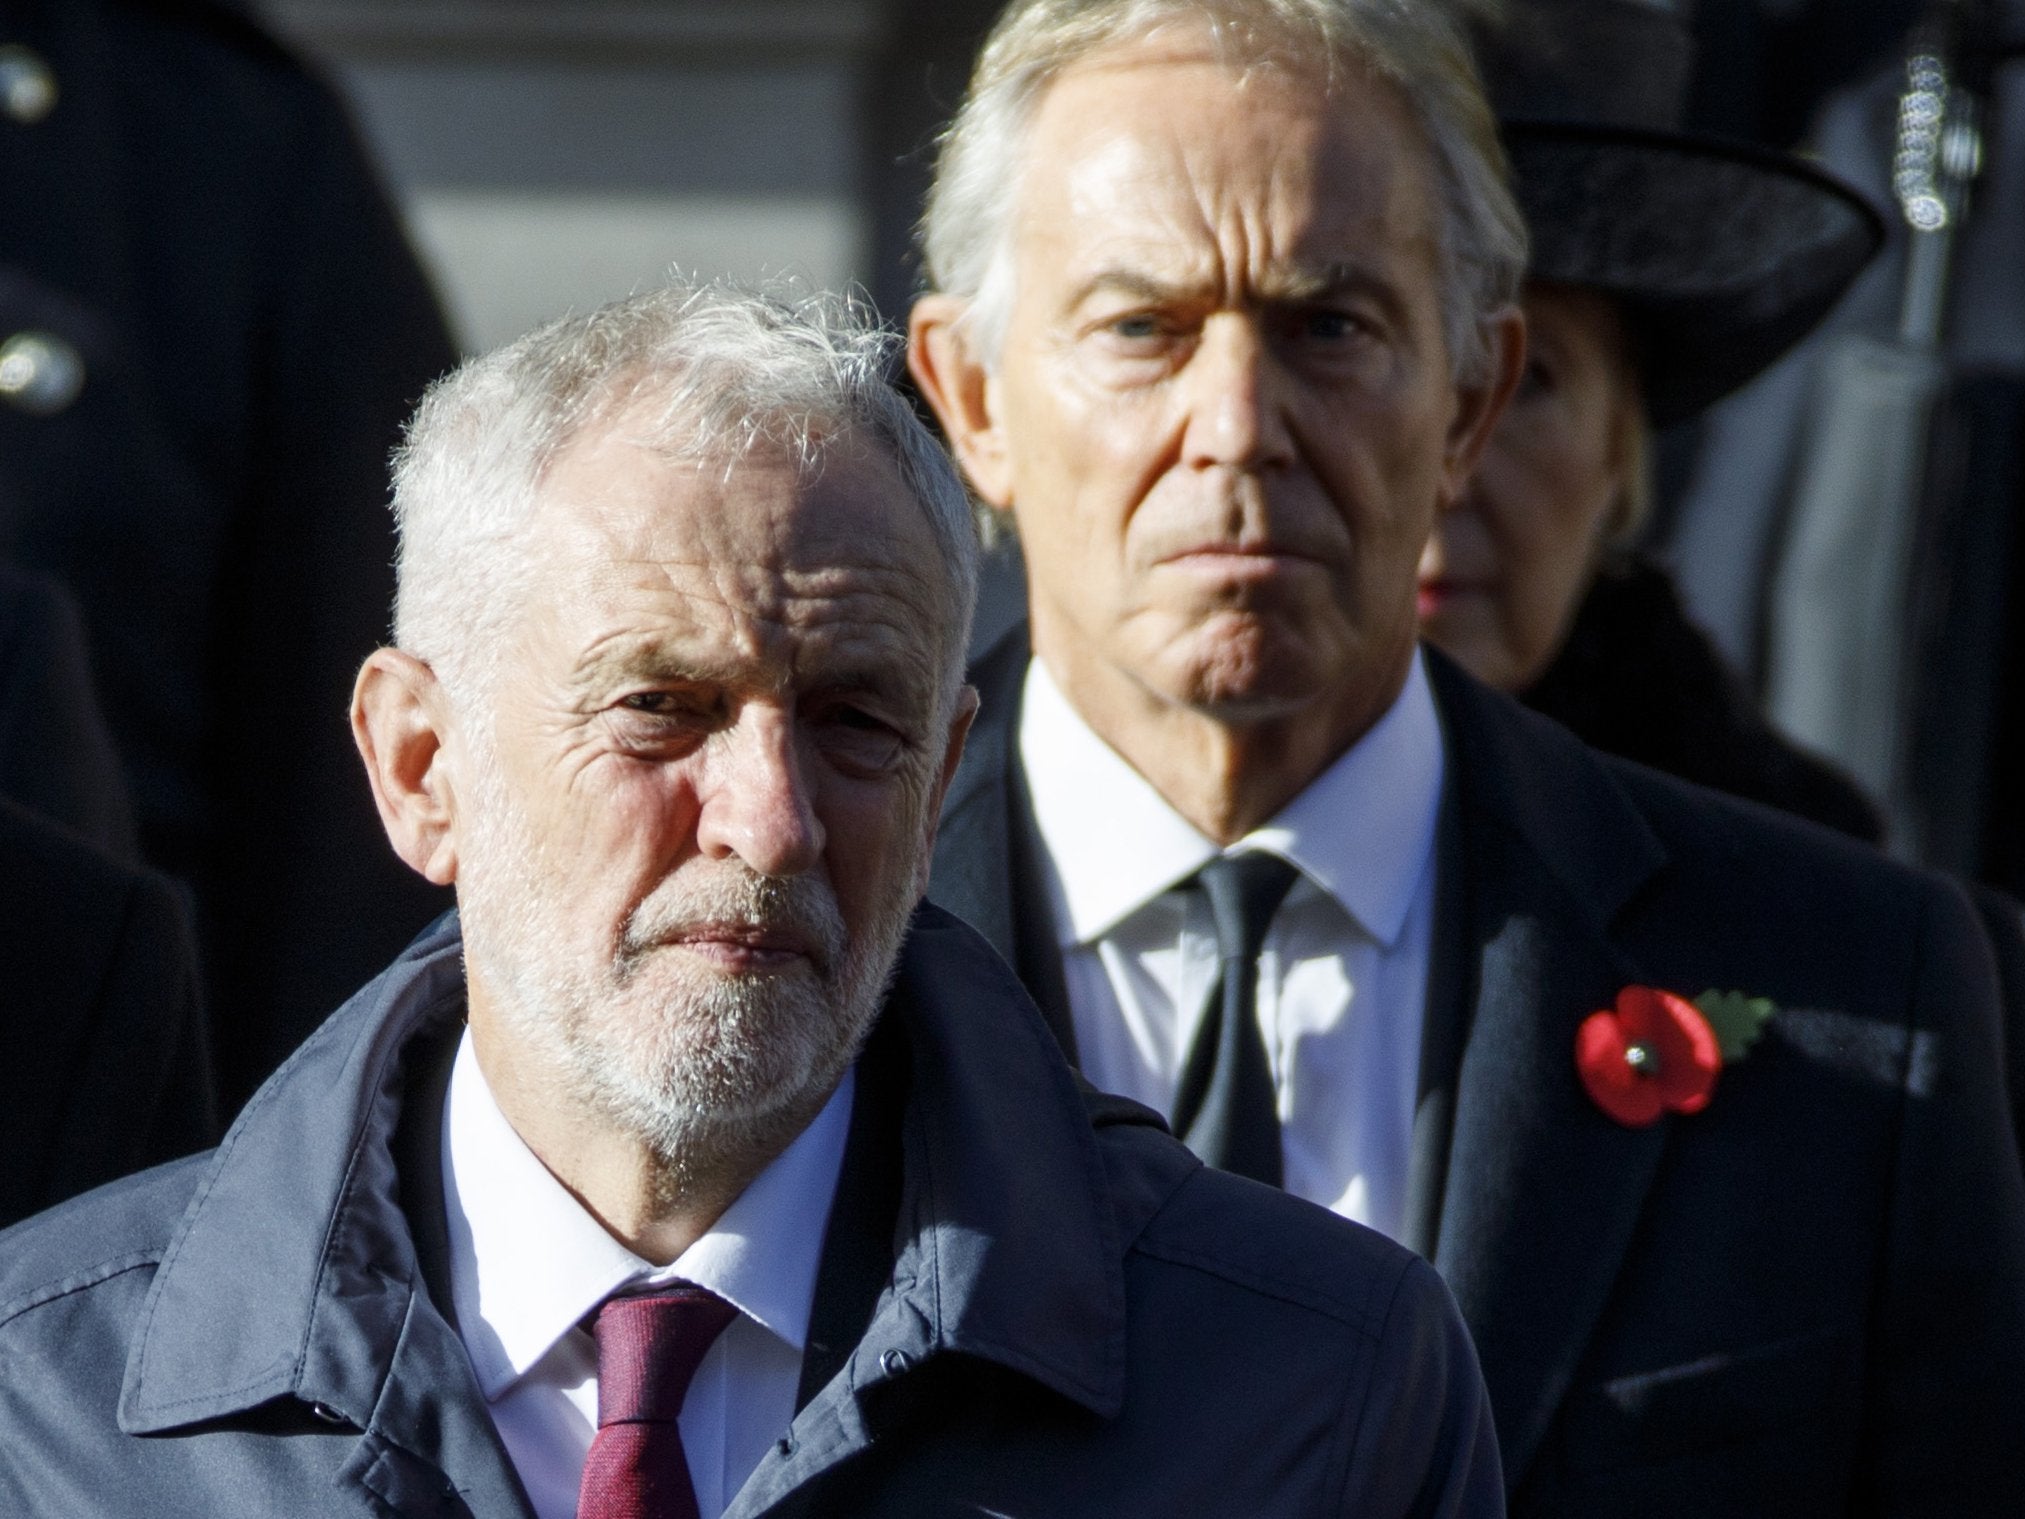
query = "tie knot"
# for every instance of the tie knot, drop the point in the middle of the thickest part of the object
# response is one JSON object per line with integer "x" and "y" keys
{"x": 1244, "y": 892}
{"x": 649, "y": 1346}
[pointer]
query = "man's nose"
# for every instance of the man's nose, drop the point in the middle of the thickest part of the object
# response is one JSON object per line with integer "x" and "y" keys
{"x": 756, "y": 801}
{"x": 1235, "y": 399}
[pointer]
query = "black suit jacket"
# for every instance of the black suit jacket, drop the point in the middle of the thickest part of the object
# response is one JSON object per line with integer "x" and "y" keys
{"x": 1807, "y": 1299}
{"x": 105, "y": 1067}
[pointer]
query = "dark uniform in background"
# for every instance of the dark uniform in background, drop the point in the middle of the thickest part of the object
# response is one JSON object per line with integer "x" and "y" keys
{"x": 103, "y": 1060}
{"x": 211, "y": 328}
{"x": 56, "y": 757}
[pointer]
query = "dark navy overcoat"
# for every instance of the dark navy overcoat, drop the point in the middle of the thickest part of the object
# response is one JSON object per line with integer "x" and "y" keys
{"x": 1057, "y": 1312}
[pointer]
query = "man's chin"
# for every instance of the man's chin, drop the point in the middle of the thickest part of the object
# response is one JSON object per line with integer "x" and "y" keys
{"x": 708, "y": 1107}
{"x": 691, "y": 1052}
{"x": 1240, "y": 671}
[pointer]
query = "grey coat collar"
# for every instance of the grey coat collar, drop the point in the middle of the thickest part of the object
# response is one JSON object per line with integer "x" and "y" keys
{"x": 294, "y": 1272}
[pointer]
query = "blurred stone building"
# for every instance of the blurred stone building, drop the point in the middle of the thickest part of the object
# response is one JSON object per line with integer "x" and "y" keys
{"x": 552, "y": 154}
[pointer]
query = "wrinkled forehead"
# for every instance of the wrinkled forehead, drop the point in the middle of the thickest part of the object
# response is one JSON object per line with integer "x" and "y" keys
{"x": 640, "y": 485}
{"x": 1155, "y": 141}
{"x": 749, "y": 548}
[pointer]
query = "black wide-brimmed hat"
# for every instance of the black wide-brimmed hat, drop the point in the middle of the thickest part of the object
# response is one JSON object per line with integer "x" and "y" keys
{"x": 1722, "y": 255}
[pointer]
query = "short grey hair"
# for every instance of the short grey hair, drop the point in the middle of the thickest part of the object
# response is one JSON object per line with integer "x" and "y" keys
{"x": 726, "y": 368}
{"x": 1414, "y": 44}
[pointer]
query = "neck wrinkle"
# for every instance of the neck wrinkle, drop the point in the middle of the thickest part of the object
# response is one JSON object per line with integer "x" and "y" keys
{"x": 1227, "y": 779}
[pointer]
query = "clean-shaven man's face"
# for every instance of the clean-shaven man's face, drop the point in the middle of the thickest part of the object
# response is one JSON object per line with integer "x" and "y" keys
{"x": 1223, "y": 413}
{"x": 695, "y": 811}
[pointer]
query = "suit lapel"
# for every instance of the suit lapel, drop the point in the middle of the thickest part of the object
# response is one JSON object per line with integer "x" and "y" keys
{"x": 1445, "y": 1020}
{"x": 1542, "y": 1192}
{"x": 973, "y": 875}
{"x": 989, "y": 861}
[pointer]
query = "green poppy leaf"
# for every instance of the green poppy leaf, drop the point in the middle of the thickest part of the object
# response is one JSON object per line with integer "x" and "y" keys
{"x": 1737, "y": 1020}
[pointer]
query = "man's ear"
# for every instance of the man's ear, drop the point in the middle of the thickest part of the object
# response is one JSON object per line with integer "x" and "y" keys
{"x": 1481, "y": 405}
{"x": 399, "y": 717}
{"x": 941, "y": 357}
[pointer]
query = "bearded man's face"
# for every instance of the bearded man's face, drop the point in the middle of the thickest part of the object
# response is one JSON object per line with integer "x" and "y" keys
{"x": 696, "y": 795}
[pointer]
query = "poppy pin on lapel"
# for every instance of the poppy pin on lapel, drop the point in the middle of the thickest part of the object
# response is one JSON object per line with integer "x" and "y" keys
{"x": 1657, "y": 1053}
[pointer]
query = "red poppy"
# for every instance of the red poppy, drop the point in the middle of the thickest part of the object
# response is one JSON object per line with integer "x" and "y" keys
{"x": 1656, "y": 1053}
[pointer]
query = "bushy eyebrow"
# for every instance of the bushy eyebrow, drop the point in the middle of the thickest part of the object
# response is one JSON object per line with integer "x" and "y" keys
{"x": 1315, "y": 282}
{"x": 1129, "y": 282}
{"x": 1286, "y": 285}
{"x": 632, "y": 659}
{"x": 618, "y": 661}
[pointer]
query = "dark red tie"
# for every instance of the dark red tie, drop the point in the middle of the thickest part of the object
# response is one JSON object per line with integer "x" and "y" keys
{"x": 648, "y": 1349}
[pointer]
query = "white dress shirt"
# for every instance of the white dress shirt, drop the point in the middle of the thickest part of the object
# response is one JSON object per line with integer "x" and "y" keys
{"x": 528, "y": 1263}
{"x": 1343, "y": 976}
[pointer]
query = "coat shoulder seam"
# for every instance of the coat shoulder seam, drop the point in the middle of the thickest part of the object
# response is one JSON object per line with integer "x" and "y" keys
{"x": 81, "y": 1280}
{"x": 1354, "y": 1316}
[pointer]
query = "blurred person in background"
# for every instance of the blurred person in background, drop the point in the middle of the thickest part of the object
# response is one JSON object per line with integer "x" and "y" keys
{"x": 210, "y": 328}
{"x": 104, "y": 1054}
{"x": 1221, "y": 322}
{"x": 56, "y": 754}
{"x": 1848, "y": 529}
{"x": 1666, "y": 270}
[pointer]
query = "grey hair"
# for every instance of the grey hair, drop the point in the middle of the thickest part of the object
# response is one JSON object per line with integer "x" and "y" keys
{"x": 726, "y": 369}
{"x": 1415, "y": 44}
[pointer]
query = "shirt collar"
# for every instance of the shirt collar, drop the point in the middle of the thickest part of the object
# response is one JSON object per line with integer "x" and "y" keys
{"x": 1363, "y": 830}
{"x": 527, "y": 1262}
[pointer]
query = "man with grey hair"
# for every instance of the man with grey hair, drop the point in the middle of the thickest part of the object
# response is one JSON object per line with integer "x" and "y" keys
{"x": 1697, "y": 1109}
{"x": 696, "y": 1167}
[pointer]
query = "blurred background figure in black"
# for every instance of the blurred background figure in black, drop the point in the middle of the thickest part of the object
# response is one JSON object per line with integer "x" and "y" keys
{"x": 1768, "y": 64}
{"x": 57, "y": 757}
{"x": 1847, "y": 527}
{"x": 104, "y": 1057}
{"x": 211, "y": 328}
{"x": 104, "y": 1060}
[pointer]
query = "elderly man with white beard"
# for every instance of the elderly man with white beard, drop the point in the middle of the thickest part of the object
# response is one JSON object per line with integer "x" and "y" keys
{"x": 694, "y": 1166}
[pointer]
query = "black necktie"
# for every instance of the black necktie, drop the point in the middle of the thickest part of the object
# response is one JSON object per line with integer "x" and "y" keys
{"x": 1225, "y": 1109}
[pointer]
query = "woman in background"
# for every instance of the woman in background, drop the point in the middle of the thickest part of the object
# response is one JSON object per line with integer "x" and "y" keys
{"x": 1667, "y": 270}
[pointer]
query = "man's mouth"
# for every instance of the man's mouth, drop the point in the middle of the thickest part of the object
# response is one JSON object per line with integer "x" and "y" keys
{"x": 1239, "y": 561}
{"x": 742, "y": 948}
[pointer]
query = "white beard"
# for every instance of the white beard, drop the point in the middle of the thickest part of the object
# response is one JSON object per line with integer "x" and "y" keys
{"x": 707, "y": 1069}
